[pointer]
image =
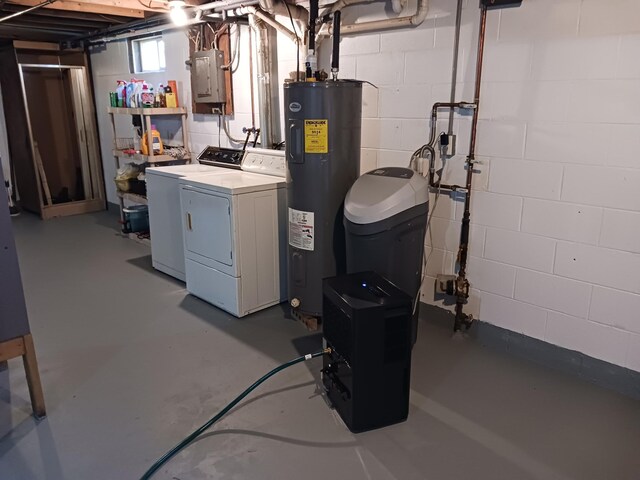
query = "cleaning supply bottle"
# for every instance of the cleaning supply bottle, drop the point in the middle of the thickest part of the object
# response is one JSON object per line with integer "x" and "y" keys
{"x": 157, "y": 146}
{"x": 147, "y": 96}
{"x": 170, "y": 97}
{"x": 137, "y": 146}
{"x": 121, "y": 92}
{"x": 136, "y": 98}
{"x": 130, "y": 100}
{"x": 160, "y": 99}
{"x": 174, "y": 88}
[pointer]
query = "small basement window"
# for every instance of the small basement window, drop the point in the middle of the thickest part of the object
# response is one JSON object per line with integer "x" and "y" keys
{"x": 146, "y": 54}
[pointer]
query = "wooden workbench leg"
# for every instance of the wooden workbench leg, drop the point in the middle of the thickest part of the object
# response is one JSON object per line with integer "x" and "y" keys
{"x": 33, "y": 377}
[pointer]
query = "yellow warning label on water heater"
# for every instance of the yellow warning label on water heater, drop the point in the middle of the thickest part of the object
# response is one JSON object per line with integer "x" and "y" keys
{"x": 316, "y": 136}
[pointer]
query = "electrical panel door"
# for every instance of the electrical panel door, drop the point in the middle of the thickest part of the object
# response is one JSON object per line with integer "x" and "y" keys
{"x": 207, "y": 77}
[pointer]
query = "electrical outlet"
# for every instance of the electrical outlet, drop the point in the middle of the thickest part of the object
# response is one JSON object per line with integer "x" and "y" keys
{"x": 448, "y": 144}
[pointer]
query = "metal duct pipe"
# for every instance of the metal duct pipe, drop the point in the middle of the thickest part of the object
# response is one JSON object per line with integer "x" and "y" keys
{"x": 390, "y": 23}
{"x": 266, "y": 18}
{"x": 266, "y": 64}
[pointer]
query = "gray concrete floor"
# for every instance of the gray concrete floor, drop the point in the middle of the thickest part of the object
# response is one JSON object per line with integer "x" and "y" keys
{"x": 131, "y": 364}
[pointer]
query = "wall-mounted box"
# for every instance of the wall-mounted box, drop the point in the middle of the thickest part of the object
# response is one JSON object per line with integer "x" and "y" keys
{"x": 207, "y": 77}
{"x": 491, "y": 4}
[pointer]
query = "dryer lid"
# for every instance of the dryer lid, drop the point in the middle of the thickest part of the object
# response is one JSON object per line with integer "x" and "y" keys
{"x": 235, "y": 182}
{"x": 177, "y": 171}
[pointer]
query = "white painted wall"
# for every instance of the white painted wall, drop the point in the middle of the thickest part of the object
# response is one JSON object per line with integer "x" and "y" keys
{"x": 555, "y": 247}
{"x": 110, "y": 63}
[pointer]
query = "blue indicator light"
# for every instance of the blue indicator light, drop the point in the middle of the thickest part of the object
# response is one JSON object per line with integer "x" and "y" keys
{"x": 364, "y": 285}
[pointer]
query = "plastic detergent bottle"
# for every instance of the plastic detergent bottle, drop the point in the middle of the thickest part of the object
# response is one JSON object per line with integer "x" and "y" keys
{"x": 160, "y": 99}
{"x": 121, "y": 93}
{"x": 157, "y": 146}
{"x": 130, "y": 95}
{"x": 137, "y": 146}
{"x": 147, "y": 96}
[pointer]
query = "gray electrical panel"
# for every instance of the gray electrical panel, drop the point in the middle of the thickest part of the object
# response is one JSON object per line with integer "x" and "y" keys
{"x": 207, "y": 77}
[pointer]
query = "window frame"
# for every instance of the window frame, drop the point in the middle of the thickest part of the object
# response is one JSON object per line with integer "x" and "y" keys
{"x": 135, "y": 59}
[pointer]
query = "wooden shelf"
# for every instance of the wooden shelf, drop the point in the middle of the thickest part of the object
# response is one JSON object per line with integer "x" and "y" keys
{"x": 133, "y": 197}
{"x": 119, "y": 155}
{"x": 148, "y": 158}
{"x": 148, "y": 111}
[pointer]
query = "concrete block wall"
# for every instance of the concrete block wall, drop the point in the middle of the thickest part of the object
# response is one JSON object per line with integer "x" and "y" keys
{"x": 555, "y": 240}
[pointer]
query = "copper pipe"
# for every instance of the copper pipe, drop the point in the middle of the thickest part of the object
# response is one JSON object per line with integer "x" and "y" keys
{"x": 454, "y": 68}
{"x": 462, "y": 284}
{"x": 432, "y": 141}
{"x": 476, "y": 100}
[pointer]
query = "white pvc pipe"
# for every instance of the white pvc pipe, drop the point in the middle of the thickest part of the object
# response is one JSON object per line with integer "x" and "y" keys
{"x": 407, "y": 21}
{"x": 340, "y": 4}
{"x": 398, "y": 5}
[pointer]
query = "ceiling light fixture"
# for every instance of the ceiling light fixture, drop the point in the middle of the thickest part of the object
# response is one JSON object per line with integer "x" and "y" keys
{"x": 177, "y": 13}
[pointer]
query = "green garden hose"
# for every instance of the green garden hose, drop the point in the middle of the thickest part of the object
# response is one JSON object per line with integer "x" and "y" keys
{"x": 167, "y": 456}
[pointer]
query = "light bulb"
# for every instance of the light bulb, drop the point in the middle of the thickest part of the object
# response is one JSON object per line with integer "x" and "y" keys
{"x": 178, "y": 15}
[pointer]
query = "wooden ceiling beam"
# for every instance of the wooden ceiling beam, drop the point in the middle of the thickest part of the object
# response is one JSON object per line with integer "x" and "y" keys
{"x": 29, "y": 33}
{"x": 56, "y": 15}
{"x": 156, "y": 6}
{"x": 61, "y": 26}
{"x": 120, "y": 8}
{"x": 70, "y": 23}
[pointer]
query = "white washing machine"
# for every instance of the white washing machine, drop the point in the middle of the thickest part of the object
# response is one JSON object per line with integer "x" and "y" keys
{"x": 234, "y": 229}
{"x": 165, "y": 224}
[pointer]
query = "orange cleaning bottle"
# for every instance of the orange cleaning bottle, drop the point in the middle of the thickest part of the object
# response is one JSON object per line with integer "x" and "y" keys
{"x": 157, "y": 146}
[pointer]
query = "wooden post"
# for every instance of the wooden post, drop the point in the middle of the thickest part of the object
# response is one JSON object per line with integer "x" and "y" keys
{"x": 15, "y": 336}
{"x": 43, "y": 175}
{"x": 23, "y": 347}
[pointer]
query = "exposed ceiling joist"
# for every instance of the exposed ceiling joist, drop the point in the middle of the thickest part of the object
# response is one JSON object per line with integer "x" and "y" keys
{"x": 67, "y": 23}
{"x": 18, "y": 32}
{"x": 123, "y": 8}
{"x": 63, "y": 15}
